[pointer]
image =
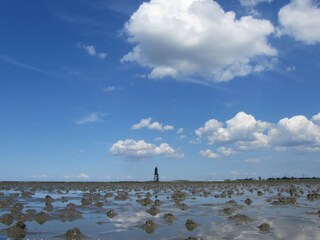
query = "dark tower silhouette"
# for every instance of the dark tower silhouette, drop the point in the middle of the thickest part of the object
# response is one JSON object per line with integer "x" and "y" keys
{"x": 156, "y": 175}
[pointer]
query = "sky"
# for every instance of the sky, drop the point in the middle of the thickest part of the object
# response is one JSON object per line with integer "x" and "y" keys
{"x": 202, "y": 89}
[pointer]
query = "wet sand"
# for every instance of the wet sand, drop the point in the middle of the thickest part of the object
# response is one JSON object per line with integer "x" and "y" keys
{"x": 164, "y": 210}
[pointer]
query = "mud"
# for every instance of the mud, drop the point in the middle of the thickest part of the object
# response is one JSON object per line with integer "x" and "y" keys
{"x": 264, "y": 227}
{"x": 284, "y": 201}
{"x": 153, "y": 211}
{"x": 111, "y": 214}
{"x": 16, "y": 209}
{"x": 191, "y": 224}
{"x": 74, "y": 234}
{"x": 173, "y": 210}
{"x": 7, "y": 219}
{"x": 41, "y": 217}
{"x": 17, "y": 231}
{"x": 169, "y": 217}
{"x": 144, "y": 202}
{"x": 240, "y": 218}
{"x": 313, "y": 196}
{"x": 182, "y": 206}
{"x": 248, "y": 201}
{"x": 149, "y": 226}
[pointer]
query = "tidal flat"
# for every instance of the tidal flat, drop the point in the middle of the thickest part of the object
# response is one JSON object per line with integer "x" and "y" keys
{"x": 163, "y": 210}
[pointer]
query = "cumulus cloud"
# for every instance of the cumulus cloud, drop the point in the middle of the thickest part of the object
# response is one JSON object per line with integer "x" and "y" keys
{"x": 208, "y": 154}
{"x": 244, "y": 132}
{"x": 300, "y": 19}
{"x": 146, "y": 123}
{"x": 210, "y": 126}
{"x": 90, "y": 118}
{"x": 252, "y": 3}
{"x": 183, "y": 39}
{"x": 243, "y": 129}
{"x": 91, "y": 50}
{"x": 130, "y": 148}
{"x": 297, "y": 132}
{"x": 316, "y": 119}
{"x": 223, "y": 151}
{"x": 227, "y": 151}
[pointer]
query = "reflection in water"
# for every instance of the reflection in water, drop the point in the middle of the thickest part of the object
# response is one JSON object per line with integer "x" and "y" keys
{"x": 284, "y": 207}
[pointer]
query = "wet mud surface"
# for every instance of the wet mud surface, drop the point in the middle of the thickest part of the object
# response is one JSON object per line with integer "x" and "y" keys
{"x": 164, "y": 210}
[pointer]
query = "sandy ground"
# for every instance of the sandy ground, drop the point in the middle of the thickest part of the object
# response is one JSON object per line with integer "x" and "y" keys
{"x": 164, "y": 210}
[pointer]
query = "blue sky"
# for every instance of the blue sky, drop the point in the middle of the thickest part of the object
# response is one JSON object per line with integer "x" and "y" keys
{"x": 205, "y": 90}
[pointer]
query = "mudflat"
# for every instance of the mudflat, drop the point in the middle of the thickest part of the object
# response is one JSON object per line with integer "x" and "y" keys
{"x": 163, "y": 210}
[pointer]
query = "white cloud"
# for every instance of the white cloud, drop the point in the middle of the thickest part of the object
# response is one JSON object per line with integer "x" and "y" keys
{"x": 244, "y": 132}
{"x": 300, "y": 19}
{"x": 111, "y": 89}
{"x": 224, "y": 151}
{"x": 130, "y": 148}
{"x": 209, "y": 154}
{"x": 24, "y": 65}
{"x": 158, "y": 139}
{"x": 81, "y": 176}
{"x": 227, "y": 151}
{"x": 91, "y": 50}
{"x": 42, "y": 176}
{"x": 210, "y": 126}
{"x": 146, "y": 123}
{"x": 183, "y": 39}
{"x": 252, "y": 160}
{"x": 180, "y": 131}
{"x": 79, "y": 151}
{"x": 243, "y": 129}
{"x": 234, "y": 173}
{"x": 90, "y": 118}
{"x": 316, "y": 119}
{"x": 252, "y": 3}
{"x": 297, "y": 132}
{"x": 181, "y": 134}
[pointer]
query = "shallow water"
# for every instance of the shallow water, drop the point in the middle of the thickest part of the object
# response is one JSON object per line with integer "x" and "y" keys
{"x": 205, "y": 203}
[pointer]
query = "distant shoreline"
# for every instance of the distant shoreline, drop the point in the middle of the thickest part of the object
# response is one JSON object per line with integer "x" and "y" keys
{"x": 269, "y": 180}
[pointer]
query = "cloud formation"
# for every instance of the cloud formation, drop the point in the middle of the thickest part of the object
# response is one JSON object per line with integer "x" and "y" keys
{"x": 130, "y": 148}
{"x": 24, "y": 65}
{"x": 91, "y": 50}
{"x": 300, "y": 19}
{"x": 185, "y": 39}
{"x": 253, "y": 160}
{"x": 90, "y": 118}
{"x": 252, "y": 3}
{"x": 244, "y": 132}
{"x": 146, "y": 123}
{"x": 223, "y": 152}
{"x": 81, "y": 176}
{"x": 316, "y": 119}
{"x": 111, "y": 89}
{"x": 297, "y": 132}
{"x": 42, "y": 176}
{"x": 208, "y": 154}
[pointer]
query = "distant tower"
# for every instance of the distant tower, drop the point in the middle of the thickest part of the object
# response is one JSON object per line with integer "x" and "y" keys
{"x": 156, "y": 175}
